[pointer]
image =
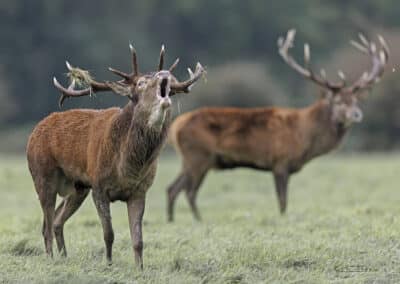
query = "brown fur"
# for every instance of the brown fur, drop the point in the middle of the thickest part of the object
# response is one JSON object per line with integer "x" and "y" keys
{"x": 274, "y": 139}
{"x": 112, "y": 151}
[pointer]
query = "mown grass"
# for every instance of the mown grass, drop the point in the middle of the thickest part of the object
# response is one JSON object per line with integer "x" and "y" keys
{"x": 342, "y": 226}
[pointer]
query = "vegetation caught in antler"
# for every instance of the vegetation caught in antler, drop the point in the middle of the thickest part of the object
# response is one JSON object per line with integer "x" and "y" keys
{"x": 82, "y": 78}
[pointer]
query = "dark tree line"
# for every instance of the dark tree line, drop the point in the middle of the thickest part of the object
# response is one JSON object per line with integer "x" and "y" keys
{"x": 229, "y": 37}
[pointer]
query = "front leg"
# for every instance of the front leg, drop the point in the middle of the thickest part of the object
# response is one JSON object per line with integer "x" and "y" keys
{"x": 281, "y": 179}
{"x": 135, "y": 212}
{"x": 103, "y": 209}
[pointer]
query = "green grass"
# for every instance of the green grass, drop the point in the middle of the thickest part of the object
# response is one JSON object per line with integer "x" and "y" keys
{"x": 342, "y": 226}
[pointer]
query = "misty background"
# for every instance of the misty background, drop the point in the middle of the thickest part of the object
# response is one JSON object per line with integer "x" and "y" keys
{"x": 234, "y": 40}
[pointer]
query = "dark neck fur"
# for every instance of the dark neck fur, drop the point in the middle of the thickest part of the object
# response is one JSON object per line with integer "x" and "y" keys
{"x": 326, "y": 134}
{"x": 139, "y": 144}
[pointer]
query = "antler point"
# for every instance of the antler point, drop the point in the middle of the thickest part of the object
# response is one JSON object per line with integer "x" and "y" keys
{"x": 69, "y": 67}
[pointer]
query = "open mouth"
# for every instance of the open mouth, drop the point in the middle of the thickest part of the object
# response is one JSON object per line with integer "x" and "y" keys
{"x": 163, "y": 88}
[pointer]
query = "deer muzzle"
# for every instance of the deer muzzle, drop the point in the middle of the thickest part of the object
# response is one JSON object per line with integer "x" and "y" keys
{"x": 355, "y": 115}
{"x": 163, "y": 90}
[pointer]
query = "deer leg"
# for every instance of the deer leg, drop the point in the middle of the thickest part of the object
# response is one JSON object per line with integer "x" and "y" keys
{"x": 281, "y": 182}
{"x": 103, "y": 209}
{"x": 172, "y": 193}
{"x": 58, "y": 232}
{"x": 135, "y": 213}
{"x": 47, "y": 197}
{"x": 65, "y": 210}
{"x": 191, "y": 193}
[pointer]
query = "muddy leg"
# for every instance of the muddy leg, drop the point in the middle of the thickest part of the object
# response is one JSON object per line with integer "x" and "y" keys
{"x": 135, "y": 213}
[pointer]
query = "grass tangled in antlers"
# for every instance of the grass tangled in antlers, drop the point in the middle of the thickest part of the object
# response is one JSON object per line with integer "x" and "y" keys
{"x": 81, "y": 77}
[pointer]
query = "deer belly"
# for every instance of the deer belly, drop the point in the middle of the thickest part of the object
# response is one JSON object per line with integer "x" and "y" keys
{"x": 224, "y": 162}
{"x": 118, "y": 194}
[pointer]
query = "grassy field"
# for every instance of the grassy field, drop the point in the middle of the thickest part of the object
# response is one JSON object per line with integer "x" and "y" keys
{"x": 342, "y": 226}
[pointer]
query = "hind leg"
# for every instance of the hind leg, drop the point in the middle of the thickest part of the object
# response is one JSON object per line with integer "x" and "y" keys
{"x": 172, "y": 193}
{"x": 192, "y": 190}
{"x": 64, "y": 211}
{"x": 47, "y": 196}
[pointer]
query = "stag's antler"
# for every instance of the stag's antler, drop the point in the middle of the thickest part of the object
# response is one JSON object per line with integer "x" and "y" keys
{"x": 287, "y": 43}
{"x": 379, "y": 60}
{"x": 82, "y": 77}
{"x": 129, "y": 78}
{"x": 186, "y": 86}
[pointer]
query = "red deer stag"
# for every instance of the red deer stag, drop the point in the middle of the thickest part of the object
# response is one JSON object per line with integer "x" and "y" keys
{"x": 113, "y": 151}
{"x": 274, "y": 139}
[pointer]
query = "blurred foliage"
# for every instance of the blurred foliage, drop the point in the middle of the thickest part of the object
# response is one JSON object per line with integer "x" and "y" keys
{"x": 238, "y": 84}
{"x": 236, "y": 40}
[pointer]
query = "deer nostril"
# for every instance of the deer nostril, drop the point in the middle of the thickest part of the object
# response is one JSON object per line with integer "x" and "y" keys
{"x": 357, "y": 115}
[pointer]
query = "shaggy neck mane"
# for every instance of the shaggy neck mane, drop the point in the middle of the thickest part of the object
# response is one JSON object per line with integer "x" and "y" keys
{"x": 139, "y": 144}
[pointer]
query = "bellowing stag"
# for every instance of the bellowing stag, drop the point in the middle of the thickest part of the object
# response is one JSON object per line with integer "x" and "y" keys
{"x": 112, "y": 151}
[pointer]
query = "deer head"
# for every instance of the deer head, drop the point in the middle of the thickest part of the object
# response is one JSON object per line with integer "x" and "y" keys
{"x": 149, "y": 92}
{"x": 343, "y": 98}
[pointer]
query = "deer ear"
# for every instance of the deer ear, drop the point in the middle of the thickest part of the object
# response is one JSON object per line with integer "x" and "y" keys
{"x": 120, "y": 89}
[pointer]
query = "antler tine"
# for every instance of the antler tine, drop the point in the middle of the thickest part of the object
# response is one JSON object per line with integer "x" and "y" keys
{"x": 173, "y": 66}
{"x": 284, "y": 46}
{"x": 69, "y": 92}
{"x": 363, "y": 39}
{"x": 379, "y": 57}
{"x": 323, "y": 74}
{"x": 135, "y": 69}
{"x": 364, "y": 45}
{"x": 342, "y": 77}
{"x": 307, "y": 54}
{"x": 385, "y": 47}
{"x": 161, "y": 61}
{"x": 127, "y": 77}
{"x": 69, "y": 67}
{"x": 184, "y": 87}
